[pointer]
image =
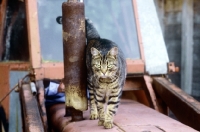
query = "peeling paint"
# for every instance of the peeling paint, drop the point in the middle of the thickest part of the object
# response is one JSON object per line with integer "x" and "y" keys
{"x": 73, "y": 58}
{"x": 66, "y": 35}
{"x": 75, "y": 98}
{"x": 82, "y": 25}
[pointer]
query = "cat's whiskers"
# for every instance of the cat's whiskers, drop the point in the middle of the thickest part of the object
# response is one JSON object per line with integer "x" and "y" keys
{"x": 113, "y": 78}
{"x": 96, "y": 78}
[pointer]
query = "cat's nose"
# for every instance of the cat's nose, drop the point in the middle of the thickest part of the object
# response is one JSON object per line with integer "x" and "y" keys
{"x": 103, "y": 68}
{"x": 104, "y": 72}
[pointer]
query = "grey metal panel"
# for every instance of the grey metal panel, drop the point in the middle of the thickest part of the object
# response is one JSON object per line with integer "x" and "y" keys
{"x": 15, "y": 119}
{"x": 155, "y": 51}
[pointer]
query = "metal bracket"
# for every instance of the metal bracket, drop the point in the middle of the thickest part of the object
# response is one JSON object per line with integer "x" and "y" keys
{"x": 171, "y": 68}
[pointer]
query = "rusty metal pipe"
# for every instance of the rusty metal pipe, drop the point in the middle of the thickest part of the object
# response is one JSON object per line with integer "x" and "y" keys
{"x": 74, "y": 45}
{"x": 31, "y": 116}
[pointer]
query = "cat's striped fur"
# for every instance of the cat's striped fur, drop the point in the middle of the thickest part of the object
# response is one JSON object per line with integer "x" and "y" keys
{"x": 106, "y": 69}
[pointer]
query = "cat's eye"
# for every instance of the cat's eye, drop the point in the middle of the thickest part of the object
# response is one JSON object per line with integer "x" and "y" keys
{"x": 110, "y": 66}
{"x": 98, "y": 66}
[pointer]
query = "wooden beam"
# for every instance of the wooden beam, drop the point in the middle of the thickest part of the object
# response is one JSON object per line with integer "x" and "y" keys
{"x": 33, "y": 33}
{"x": 185, "y": 108}
{"x": 150, "y": 93}
{"x": 3, "y": 8}
{"x": 16, "y": 66}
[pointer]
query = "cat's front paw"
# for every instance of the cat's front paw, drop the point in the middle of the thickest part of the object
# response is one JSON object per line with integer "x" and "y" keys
{"x": 108, "y": 125}
{"x": 94, "y": 116}
{"x": 100, "y": 123}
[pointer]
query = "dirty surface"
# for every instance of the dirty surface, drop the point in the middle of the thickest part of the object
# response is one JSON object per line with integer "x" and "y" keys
{"x": 74, "y": 55}
{"x": 131, "y": 117}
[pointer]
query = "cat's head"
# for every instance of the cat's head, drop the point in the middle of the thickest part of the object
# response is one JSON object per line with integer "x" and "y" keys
{"x": 105, "y": 66}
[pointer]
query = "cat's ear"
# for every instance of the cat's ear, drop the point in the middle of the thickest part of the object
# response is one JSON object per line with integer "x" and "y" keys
{"x": 94, "y": 51}
{"x": 113, "y": 51}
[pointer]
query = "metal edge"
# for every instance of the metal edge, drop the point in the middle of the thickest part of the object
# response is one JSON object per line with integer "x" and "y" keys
{"x": 41, "y": 102}
{"x": 32, "y": 121}
{"x": 138, "y": 29}
{"x": 56, "y": 70}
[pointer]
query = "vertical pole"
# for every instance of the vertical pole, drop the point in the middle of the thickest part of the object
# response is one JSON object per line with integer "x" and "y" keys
{"x": 74, "y": 58}
{"x": 3, "y": 7}
{"x": 187, "y": 46}
{"x": 33, "y": 33}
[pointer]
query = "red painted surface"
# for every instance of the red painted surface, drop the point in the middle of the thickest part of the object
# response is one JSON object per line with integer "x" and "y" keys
{"x": 131, "y": 117}
{"x": 4, "y": 87}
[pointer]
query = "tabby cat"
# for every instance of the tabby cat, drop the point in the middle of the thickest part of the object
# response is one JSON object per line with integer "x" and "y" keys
{"x": 106, "y": 73}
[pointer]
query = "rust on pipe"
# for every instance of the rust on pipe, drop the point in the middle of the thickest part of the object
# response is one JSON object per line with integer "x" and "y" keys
{"x": 74, "y": 56}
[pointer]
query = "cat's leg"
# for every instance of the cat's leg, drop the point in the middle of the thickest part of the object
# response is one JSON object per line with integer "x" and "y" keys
{"x": 112, "y": 106}
{"x": 100, "y": 101}
{"x": 93, "y": 107}
{"x": 100, "y": 108}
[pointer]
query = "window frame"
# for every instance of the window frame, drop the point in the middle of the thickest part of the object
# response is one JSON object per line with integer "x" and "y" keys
{"x": 55, "y": 70}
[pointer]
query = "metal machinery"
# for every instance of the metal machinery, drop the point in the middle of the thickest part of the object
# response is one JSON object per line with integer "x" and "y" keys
{"x": 133, "y": 24}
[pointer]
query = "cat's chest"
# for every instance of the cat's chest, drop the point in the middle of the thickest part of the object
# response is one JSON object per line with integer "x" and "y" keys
{"x": 108, "y": 86}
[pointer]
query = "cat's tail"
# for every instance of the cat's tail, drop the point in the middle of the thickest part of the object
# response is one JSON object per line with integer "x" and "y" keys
{"x": 91, "y": 32}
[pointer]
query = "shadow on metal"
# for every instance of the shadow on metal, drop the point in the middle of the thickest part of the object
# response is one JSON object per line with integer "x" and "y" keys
{"x": 3, "y": 120}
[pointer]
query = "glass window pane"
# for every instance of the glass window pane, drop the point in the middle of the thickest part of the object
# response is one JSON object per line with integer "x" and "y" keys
{"x": 50, "y": 31}
{"x": 114, "y": 20}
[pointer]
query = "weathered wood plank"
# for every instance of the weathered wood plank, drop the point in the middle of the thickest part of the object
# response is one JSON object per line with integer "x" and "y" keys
{"x": 131, "y": 117}
{"x": 3, "y": 5}
{"x": 185, "y": 108}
